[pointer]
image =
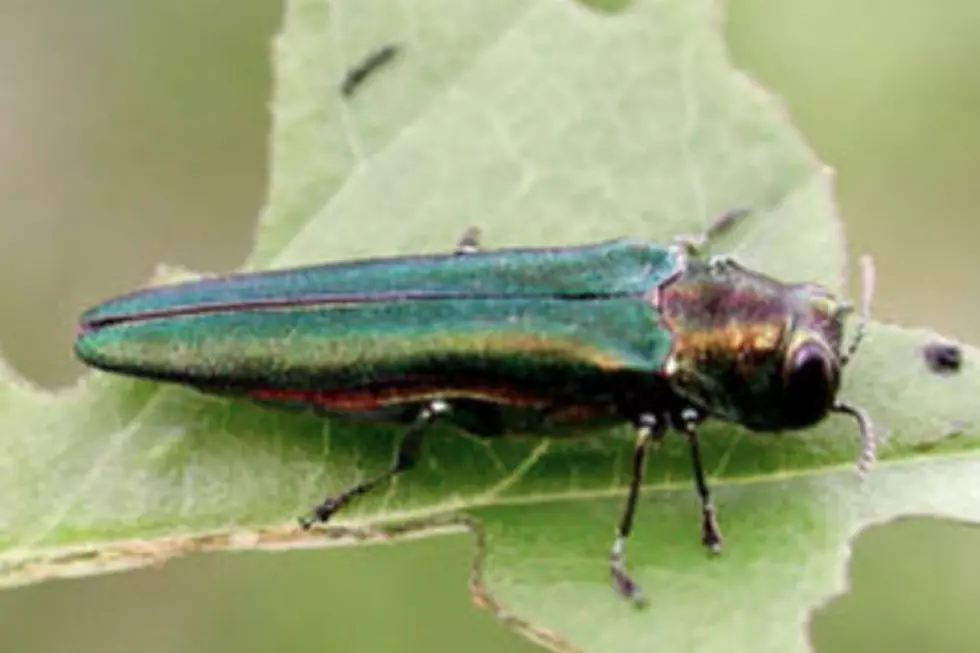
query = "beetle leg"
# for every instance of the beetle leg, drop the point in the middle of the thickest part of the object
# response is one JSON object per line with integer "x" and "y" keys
{"x": 710, "y": 533}
{"x": 649, "y": 430}
{"x": 695, "y": 245}
{"x": 469, "y": 242}
{"x": 405, "y": 459}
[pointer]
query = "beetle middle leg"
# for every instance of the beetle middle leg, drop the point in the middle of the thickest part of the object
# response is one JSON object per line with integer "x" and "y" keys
{"x": 649, "y": 430}
{"x": 710, "y": 533}
{"x": 406, "y": 458}
{"x": 469, "y": 242}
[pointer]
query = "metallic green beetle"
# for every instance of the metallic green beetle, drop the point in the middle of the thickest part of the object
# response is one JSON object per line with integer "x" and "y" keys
{"x": 547, "y": 341}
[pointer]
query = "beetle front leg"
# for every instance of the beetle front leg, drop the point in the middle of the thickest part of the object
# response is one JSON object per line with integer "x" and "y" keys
{"x": 710, "y": 533}
{"x": 649, "y": 431}
{"x": 696, "y": 245}
{"x": 406, "y": 458}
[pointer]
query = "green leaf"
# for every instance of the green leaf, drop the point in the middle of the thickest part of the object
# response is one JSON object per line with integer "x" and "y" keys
{"x": 787, "y": 510}
{"x": 543, "y": 122}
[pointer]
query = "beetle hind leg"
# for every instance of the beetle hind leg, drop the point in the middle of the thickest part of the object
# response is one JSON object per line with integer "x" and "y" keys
{"x": 406, "y": 458}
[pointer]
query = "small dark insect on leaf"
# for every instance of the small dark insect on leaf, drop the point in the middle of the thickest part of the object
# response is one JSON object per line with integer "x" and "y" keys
{"x": 356, "y": 75}
{"x": 943, "y": 357}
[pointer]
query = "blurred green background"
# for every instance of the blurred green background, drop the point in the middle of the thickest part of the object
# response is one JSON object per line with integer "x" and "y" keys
{"x": 135, "y": 132}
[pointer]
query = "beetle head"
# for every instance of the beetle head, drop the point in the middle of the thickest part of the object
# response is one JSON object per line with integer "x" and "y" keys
{"x": 752, "y": 350}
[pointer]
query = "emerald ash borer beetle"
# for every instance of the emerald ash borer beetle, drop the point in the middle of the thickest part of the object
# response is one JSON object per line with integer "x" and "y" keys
{"x": 530, "y": 340}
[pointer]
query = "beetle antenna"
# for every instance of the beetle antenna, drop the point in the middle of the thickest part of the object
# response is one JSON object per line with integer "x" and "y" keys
{"x": 869, "y": 443}
{"x": 867, "y": 293}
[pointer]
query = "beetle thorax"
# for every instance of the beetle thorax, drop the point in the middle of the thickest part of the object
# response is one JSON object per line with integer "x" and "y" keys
{"x": 732, "y": 330}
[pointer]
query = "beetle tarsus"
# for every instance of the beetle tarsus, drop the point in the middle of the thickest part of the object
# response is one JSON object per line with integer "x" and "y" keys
{"x": 625, "y": 585}
{"x": 710, "y": 533}
{"x": 409, "y": 450}
{"x": 649, "y": 431}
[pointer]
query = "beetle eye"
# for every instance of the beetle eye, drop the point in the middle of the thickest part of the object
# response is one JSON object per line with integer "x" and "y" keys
{"x": 810, "y": 385}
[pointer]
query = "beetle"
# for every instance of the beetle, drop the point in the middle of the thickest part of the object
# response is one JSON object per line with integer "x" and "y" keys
{"x": 533, "y": 340}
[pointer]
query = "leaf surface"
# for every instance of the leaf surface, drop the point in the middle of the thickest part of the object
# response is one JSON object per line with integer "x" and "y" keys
{"x": 542, "y": 122}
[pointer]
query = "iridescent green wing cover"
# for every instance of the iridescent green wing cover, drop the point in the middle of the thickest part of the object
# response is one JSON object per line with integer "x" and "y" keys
{"x": 504, "y": 321}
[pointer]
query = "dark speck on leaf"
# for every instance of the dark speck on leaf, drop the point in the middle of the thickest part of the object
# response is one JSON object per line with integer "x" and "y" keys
{"x": 357, "y": 74}
{"x": 943, "y": 357}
